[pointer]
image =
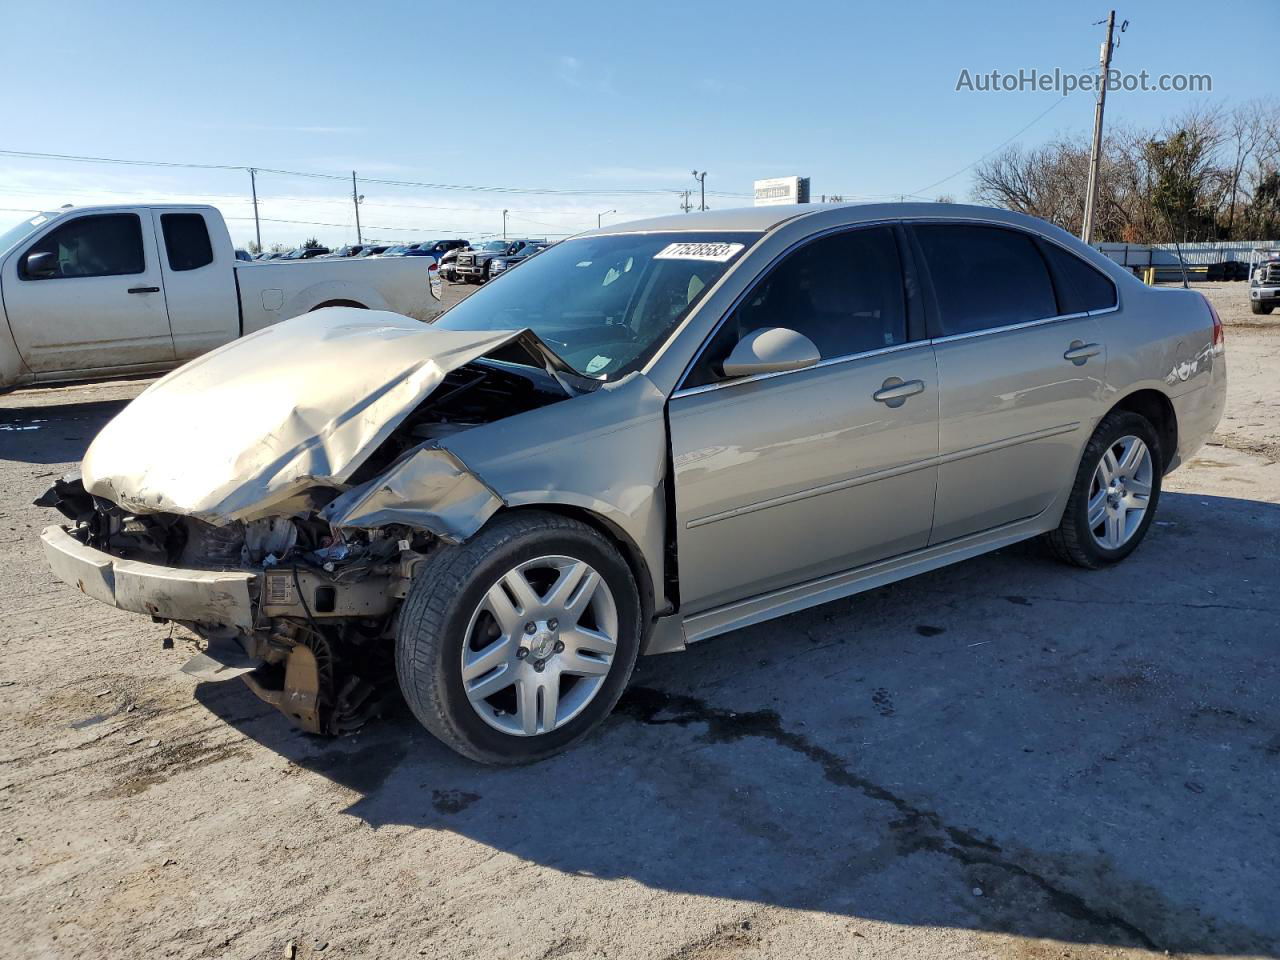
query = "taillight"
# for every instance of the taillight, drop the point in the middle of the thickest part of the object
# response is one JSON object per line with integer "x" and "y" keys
{"x": 1219, "y": 338}
{"x": 433, "y": 266}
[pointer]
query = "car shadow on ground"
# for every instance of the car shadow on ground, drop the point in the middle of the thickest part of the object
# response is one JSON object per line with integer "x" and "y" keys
{"x": 1007, "y": 744}
{"x": 55, "y": 433}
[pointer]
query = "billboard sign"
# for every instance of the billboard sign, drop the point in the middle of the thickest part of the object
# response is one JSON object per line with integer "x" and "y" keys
{"x": 778, "y": 190}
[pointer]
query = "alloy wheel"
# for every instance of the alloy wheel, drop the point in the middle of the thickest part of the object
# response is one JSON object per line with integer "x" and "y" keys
{"x": 539, "y": 645}
{"x": 1120, "y": 492}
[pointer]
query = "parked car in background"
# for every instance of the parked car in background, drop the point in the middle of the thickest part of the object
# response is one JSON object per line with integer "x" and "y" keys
{"x": 374, "y": 250}
{"x": 500, "y": 264}
{"x": 243, "y": 254}
{"x": 642, "y": 438}
{"x": 305, "y": 253}
{"x": 1264, "y": 280}
{"x": 448, "y": 264}
{"x": 349, "y": 250}
{"x": 106, "y": 291}
{"x": 438, "y": 248}
{"x": 472, "y": 265}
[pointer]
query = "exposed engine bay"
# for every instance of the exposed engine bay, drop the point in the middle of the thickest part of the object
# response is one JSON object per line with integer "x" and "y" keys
{"x": 324, "y": 598}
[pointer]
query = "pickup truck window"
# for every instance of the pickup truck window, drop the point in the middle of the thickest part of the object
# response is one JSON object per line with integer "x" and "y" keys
{"x": 100, "y": 245}
{"x": 186, "y": 239}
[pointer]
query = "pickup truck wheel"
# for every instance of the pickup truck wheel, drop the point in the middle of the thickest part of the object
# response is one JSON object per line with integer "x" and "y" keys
{"x": 1257, "y": 307}
{"x": 515, "y": 644}
{"x": 1115, "y": 494}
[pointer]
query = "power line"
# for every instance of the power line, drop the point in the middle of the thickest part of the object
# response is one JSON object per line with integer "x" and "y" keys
{"x": 1040, "y": 116}
{"x": 969, "y": 166}
{"x": 548, "y": 191}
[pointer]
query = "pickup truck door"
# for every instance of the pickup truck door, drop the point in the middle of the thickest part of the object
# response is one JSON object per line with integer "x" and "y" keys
{"x": 104, "y": 307}
{"x": 199, "y": 281}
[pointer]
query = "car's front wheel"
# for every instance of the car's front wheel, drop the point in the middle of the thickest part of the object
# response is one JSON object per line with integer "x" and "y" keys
{"x": 515, "y": 644}
{"x": 1114, "y": 497}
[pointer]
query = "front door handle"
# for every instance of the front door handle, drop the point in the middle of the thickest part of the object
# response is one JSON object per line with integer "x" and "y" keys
{"x": 144, "y": 289}
{"x": 894, "y": 391}
{"x": 1079, "y": 352}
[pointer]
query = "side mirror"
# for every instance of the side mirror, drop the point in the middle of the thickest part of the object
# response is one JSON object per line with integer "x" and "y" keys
{"x": 771, "y": 350}
{"x": 41, "y": 266}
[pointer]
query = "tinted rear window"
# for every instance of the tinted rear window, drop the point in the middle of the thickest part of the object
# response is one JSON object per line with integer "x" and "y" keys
{"x": 1081, "y": 287}
{"x": 186, "y": 241}
{"x": 985, "y": 277}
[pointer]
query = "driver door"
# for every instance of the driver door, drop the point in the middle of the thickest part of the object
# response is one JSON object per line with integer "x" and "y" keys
{"x": 105, "y": 306}
{"x": 785, "y": 477}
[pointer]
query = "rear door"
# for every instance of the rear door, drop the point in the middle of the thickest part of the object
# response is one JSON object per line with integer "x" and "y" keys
{"x": 781, "y": 478}
{"x": 104, "y": 308}
{"x": 199, "y": 282}
{"x": 1020, "y": 375}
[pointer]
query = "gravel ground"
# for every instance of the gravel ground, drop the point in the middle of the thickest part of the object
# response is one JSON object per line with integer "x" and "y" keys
{"x": 1008, "y": 758}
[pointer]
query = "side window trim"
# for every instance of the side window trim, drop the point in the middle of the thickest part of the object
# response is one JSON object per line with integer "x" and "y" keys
{"x": 911, "y": 341}
{"x": 935, "y": 323}
{"x": 1043, "y": 242}
{"x": 59, "y": 225}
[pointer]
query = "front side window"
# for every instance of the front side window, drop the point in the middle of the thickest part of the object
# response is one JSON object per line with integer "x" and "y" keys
{"x": 844, "y": 292}
{"x": 186, "y": 240}
{"x": 985, "y": 277}
{"x": 105, "y": 245}
{"x": 604, "y": 304}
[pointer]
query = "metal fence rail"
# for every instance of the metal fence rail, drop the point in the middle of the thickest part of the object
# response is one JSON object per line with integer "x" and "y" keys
{"x": 1193, "y": 254}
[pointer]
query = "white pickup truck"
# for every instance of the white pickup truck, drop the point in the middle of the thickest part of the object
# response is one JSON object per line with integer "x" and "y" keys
{"x": 110, "y": 291}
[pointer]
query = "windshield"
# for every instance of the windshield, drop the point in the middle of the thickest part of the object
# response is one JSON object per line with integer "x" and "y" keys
{"x": 497, "y": 245}
{"x": 604, "y": 304}
{"x": 11, "y": 236}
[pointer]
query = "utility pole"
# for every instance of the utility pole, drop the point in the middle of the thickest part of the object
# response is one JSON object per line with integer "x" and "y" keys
{"x": 504, "y": 224}
{"x": 356, "y": 198}
{"x": 1095, "y": 156}
{"x": 702, "y": 179}
{"x": 600, "y": 216}
{"x": 253, "y": 185}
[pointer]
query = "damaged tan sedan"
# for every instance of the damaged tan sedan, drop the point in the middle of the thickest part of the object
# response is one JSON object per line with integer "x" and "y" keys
{"x": 643, "y": 437}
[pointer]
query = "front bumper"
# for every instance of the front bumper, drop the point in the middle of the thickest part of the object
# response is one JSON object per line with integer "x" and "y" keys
{"x": 212, "y": 597}
{"x": 1265, "y": 294}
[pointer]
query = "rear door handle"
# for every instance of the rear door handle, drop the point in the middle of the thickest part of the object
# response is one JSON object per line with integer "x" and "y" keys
{"x": 1079, "y": 352}
{"x": 894, "y": 391}
{"x": 144, "y": 289}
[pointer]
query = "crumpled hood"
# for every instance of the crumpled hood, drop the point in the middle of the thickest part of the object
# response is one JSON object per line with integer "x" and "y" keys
{"x": 298, "y": 404}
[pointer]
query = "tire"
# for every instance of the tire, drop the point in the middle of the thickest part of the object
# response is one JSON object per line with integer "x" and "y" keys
{"x": 1257, "y": 307}
{"x": 445, "y": 611}
{"x": 1075, "y": 541}
{"x": 338, "y": 303}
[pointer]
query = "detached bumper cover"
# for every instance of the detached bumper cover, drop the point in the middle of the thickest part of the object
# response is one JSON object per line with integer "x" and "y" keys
{"x": 199, "y": 596}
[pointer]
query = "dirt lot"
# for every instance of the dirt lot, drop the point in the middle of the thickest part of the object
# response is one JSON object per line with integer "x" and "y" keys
{"x": 1007, "y": 758}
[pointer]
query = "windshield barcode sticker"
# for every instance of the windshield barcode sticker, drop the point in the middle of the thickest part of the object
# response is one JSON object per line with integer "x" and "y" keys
{"x": 715, "y": 252}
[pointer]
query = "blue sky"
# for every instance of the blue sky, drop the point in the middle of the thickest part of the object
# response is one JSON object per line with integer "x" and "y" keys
{"x": 562, "y": 95}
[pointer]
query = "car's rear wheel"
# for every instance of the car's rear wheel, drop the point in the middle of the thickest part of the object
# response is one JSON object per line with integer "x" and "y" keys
{"x": 1114, "y": 497}
{"x": 516, "y": 643}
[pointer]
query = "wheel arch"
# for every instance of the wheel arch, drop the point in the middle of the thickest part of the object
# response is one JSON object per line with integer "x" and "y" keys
{"x": 616, "y": 536}
{"x": 1157, "y": 409}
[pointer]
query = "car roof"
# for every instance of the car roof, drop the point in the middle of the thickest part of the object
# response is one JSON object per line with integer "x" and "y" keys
{"x": 764, "y": 219}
